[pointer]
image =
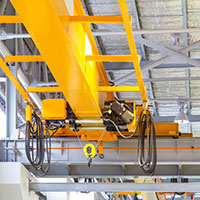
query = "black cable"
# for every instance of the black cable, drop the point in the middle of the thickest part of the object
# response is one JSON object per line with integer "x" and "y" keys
{"x": 146, "y": 125}
{"x": 35, "y": 134}
{"x": 157, "y": 196}
{"x": 120, "y": 133}
{"x": 174, "y": 196}
{"x": 177, "y": 193}
{"x": 180, "y": 193}
{"x": 53, "y": 127}
{"x": 112, "y": 83}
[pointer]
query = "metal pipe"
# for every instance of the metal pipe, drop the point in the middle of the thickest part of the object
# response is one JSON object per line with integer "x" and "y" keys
{"x": 10, "y": 36}
{"x": 20, "y": 75}
{"x": 141, "y": 32}
{"x": 90, "y": 128}
{"x": 162, "y": 80}
{"x": 24, "y": 81}
{"x": 44, "y": 84}
{"x": 100, "y": 121}
{"x": 3, "y": 6}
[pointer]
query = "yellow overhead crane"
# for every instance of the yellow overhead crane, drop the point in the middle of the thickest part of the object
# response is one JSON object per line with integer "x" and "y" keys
{"x": 62, "y": 41}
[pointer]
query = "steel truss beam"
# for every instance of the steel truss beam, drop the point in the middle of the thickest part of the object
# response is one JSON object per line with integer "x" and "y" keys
{"x": 116, "y": 31}
{"x": 187, "y": 78}
{"x": 165, "y": 50}
{"x": 192, "y": 118}
{"x": 152, "y": 96}
{"x": 114, "y": 187}
{"x": 109, "y": 66}
{"x": 168, "y": 100}
{"x": 176, "y": 158}
{"x": 138, "y": 24}
{"x": 105, "y": 32}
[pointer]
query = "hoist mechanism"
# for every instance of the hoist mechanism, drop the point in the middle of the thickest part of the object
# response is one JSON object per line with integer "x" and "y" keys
{"x": 90, "y": 152}
{"x": 119, "y": 119}
{"x": 116, "y": 116}
{"x": 91, "y": 113}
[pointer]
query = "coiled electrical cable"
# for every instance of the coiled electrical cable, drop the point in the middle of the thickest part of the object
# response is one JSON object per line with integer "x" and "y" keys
{"x": 146, "y": 126}
{"x": 37, "y": 142}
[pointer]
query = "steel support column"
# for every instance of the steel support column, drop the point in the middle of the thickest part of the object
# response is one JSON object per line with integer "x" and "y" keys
{"x": 11, "y": 101}
{"x": 11, "y": 112}
{"x": 187, "y": 71}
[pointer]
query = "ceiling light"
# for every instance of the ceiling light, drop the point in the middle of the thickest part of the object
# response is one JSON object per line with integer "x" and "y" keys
{"x": 181, "y": 117}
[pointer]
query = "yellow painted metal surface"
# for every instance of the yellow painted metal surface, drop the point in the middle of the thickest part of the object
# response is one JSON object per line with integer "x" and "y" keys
{"x": 92, "y": 19}
{"x": 132, "y": 126}
{"x": 54, "y": 109}
{"x": 71, "y": 19}
{"x": 102, "y": 77}
{"x": 100, "y": 147}
{"x": 119, "y": 89}
{"x": 96, "y": 135}
{"x": 63, "y": 48}
{"x": 10, "y": 19}
{"x": 135, "y": 57}
{"x": 109, "y": 58}
{"x": 128, "y": 193}
{"x": 28, "y": 113}
{"x": 43, "y": 89}
{"x": 34, "y": 58}
{"x": 162, "y": 129}
{"x": 166, "y": 129}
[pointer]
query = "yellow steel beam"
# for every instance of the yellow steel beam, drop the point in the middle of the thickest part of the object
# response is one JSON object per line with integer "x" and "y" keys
{"x": 119, "y": 89}
{"x": 109, "y": 58}
{"x": 43, "y": 89}
{"x": 34, "y": 58}
{"x": 135, "y": 57}
{"x": 10, "y": 19}
{"x": 92, "y": 19}
{"x": 71, "y": 19}
{"x": 16, "y": 83}
{"x": 64, "y": 55}
{"x": 103, "y": 77}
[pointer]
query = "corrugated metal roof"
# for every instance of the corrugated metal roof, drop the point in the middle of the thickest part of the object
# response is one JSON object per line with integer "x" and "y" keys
{"x": 157, "y": 14}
